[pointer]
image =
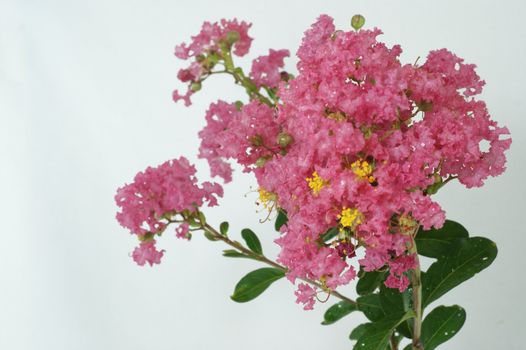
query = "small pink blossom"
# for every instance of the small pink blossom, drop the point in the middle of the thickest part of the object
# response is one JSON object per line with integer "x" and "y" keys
{"x": 147, "y": 253}
{"x": 305, "y": 295}
{"x": 266, "y": 69}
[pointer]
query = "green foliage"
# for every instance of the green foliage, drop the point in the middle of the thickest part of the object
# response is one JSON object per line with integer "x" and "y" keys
{"x": 252, "y": 241}
{"x": 370, "y": 281}
{"x": 472, "y": 256}
{"x": 281, "y": 219}
{"x": 338, "y": 311}
{"x": 441, "y": 325}
{"x": 376, "y": 336}
{"x": 232, "y": 253}
{"x": 210, "y": 236}
{"x": 358, "y": 331}
{"x": 371, "y": 307}
{"x": 223, "y": 228}
{"x": 392, "y": 302}
{"x": 256, "y": 282}
{"x": 329, "y": 234}
{"x": 442, "y": 242}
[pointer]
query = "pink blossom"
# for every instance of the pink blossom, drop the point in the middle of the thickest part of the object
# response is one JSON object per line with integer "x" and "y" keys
{"x": 305, "y": 295}
{"x": 171, "y": 187}
{"x": 266, "y": 69}
{"x": 147, "y": 253}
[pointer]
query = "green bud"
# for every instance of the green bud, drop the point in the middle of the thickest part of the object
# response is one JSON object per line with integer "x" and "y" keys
{"x": 256, "y": 140}
{"x": 239, "y": 105}
{"x": 425, "y": 106}
{"x": 260, "y": 163}
{"x": 145, "y": 237}
{"x": 232, "y": 37}
{"x": 213, "y": 58}
{"x": 196, "y": 86}
{"x": 284, "y": 139}
{"x": 202, "y": 218}
{"x": 357, "y": 21}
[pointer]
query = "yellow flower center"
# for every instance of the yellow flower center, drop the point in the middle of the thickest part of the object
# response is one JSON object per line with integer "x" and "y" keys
{"x": 316, "y": 183}
{"x": 350, "y": 217}
{"x": 266, "y": 198}
{"x": 363, "y": 170}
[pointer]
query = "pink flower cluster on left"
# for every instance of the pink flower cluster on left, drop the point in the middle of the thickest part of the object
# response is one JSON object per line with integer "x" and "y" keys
{"x": 155, "y": 197}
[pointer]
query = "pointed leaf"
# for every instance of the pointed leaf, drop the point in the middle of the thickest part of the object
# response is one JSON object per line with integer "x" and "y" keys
{"x": 223, "y": 228}
{"x": 338, "y": 311}
{"x": 438, "y": 243}
{"x": 358, "y": 331}
{"x": 369, "y": 282}
{"x": 255, "y": 283}
{"x": 371, "y": 307}
{"x": 376, "y": 336}
{"x": 281, "y": 219}
{"x": 210, "y": 236}
{"x": 231, "y": 253}
{"x": 392, "y": 301}
{"x": 441, "y": 325}
{"x": 252, "y": 240}
{"x": 329, "y": 234}
{"x": 473, "y": 256}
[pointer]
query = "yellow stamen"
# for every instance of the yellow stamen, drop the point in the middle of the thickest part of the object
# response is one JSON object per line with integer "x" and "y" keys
{"x": 350, "y": 217}
{"x": 268, "y": 199}
{"x": 363, "y": 170}
{"x": 316, "y": 183}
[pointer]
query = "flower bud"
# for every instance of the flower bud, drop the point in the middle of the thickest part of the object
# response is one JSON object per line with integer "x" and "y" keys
{"x": 196, "y": 86}
{"x": 256, "y": 140}
{"x": 260, "y": 163}
{"x": 238, "y": 105}
{"x": 232, "y": 37}
{"x": 284, "y": 139}
{"x": 357, "y": 21}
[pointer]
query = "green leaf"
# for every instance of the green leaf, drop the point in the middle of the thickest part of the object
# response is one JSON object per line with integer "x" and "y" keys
{"x": 376, "y": 336}
{"x": 369, "y": 282}
{"x": 252, "y": 241}
{"x": 210, "y": 236}
{"x": 330, "y": 233}
{"x": 441, "y": 325}
{"x": 392, "y": 302}
{"x": 371, "y": 307}
{"x": 442, "y": 242}
{"x": 281, "y": 220}
{"x": 254, "y": 283}
{"x": 223, "y": 228}
{"x": 473, "y": 256}
{"x": 338, "y": 311}
{"x": 232, "y": 253}
{"x": 358, "y": 331}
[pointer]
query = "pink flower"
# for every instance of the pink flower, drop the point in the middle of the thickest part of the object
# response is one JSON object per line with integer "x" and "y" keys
{"x": 358, "y": 142}
{"x": 147, "y": 253}
{"x": 305, "y": 295}
{"x": 266, "y": 69}
{"x": 168, "y": 188}
{"x": 208, "y": 41}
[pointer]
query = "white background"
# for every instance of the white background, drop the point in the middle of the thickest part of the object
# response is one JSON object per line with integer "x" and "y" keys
{"x": 85, "y": 103}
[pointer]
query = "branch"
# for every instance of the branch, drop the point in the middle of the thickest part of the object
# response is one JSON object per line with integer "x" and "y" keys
{"x": 267, "y": 261}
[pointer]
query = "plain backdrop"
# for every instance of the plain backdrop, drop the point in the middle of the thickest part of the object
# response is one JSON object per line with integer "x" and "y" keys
{"x": 85, "y": 103}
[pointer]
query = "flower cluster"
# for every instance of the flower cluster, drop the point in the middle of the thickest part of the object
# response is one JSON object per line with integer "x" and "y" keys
{"x": 370, "y": 139}
{"x": 205, "y": 50}
{"x": 356, "y": 144}
{"x": 155, "y": 197}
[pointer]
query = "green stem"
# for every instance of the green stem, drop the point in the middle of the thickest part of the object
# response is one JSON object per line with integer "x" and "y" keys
{"x": 416, "y": 283}
{"x": 241, "y": 78}
{"x": 267, "y": 261}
